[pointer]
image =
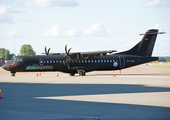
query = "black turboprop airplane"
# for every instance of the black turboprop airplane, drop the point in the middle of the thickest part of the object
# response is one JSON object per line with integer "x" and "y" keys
{"x": 82, "y": 62}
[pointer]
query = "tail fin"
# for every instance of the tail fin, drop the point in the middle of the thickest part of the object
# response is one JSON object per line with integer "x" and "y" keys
{"x": 146, "y": 45}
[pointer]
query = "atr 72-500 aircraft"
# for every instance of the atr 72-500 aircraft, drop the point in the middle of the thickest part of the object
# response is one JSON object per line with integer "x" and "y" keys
{"x": 82, "y": 62}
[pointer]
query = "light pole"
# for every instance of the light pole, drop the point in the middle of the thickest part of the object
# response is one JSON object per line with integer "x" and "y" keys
{"x": 14, "y": 42}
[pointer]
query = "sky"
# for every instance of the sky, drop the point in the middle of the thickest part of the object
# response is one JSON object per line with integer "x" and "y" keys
{"x": 84, "y": 25}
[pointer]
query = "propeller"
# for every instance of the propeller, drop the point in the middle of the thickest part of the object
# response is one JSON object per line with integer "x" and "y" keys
{"x": 67, "y": 58}
{"x": 47, "y": 52}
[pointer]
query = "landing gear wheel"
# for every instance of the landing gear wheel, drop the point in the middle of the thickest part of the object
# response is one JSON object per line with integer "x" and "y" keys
{"x": 13, "y": 73}
{"x": 71, "y": 74}
{"x": 81, "y": 72}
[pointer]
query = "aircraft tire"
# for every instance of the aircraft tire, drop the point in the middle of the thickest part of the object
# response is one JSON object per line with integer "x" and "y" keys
{"x": 12, "y": 73}
{"x": 71, "y": 74}
{"x": 82, "y": 73}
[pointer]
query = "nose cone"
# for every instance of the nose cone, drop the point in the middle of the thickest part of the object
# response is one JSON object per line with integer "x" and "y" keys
{"x": 4, "y": 67}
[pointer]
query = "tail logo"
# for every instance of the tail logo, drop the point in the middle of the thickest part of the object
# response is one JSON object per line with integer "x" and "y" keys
{"x": 115, "y": 64}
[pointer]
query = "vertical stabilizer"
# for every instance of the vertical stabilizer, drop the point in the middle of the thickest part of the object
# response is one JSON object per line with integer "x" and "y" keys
{"x": 146, "y": 45}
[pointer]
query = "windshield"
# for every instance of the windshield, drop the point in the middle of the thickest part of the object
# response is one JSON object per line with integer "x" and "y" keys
{"x": 16, "y": 59}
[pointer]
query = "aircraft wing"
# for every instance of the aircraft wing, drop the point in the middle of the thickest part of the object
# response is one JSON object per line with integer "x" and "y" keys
{"x": 96, "y": 53}
{"x": 91, "y": 53}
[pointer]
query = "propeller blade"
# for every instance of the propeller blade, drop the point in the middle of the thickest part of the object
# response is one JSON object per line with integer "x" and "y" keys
{"x": 68, "y": 65}
{"x": 46, "y": 50}
{"x": 66, "y": 49}
{"x": 49, "y": 50}
{"x": 69, "y": 50}
{"x": 65, "y": 61}
{"x": 67, "y": 58}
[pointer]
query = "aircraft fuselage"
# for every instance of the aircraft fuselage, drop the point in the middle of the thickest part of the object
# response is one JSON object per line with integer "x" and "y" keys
{"x": 56, "y": 63}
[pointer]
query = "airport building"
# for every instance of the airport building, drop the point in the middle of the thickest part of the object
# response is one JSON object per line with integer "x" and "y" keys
{"x": 2, "y": 61}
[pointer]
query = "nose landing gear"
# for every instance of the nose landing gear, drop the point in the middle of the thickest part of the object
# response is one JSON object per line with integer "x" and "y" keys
{"x": 13, "y": 73}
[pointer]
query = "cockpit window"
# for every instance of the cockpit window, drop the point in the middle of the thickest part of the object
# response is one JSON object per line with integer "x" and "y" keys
{"x": 12, "y": 59}
{"x": 16, "y": 59}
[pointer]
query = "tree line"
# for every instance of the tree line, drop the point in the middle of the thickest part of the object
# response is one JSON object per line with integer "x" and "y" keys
{"x": 4, "y": 53}
{"x": 26, "y": 49}
{"x": 164, "y": 59}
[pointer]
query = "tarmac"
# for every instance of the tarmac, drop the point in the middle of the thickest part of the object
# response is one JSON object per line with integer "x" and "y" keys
{"x": 141, "y": 92}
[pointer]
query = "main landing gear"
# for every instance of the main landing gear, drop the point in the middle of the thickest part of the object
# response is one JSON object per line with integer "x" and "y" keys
{"x": 13, "y": 73}
{"x": 81, "y": 72}
{"x": 71, "y": 74}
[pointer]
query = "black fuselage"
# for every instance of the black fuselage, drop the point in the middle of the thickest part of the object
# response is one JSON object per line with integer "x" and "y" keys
{"x": 56, "y": 63}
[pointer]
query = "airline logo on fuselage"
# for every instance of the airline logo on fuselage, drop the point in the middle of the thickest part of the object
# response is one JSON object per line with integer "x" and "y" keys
{"x": 37, "y": 67}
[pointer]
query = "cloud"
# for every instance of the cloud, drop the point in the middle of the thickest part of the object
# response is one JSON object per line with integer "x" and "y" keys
{"x": 4, "y": 14}
{"x": 157, "y": 3}
{"x": 13, "y": 33}
{"x": 160, "y": 28}
{"x": 5, "y": 11}
{"x": 95, "y": 30}
{"x": 6, "y": 19}
{"x": 58, "y": 31}
{"x": 50, "y": 3}
{"x": 73, "y": 32}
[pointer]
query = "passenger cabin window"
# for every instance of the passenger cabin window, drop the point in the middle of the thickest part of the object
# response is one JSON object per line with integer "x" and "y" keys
{"x": 47, "y": 61}
{"x": 56, "y": 61}
{"x": 50, "y": 61}
{"x": 41, "y": 62}
{"x": 44, "y": 61}
{"x": 95, "y": 61}
{"x": 53, "y": 61}
{"x": 101, "y": 60}
{"x": 98, "y": 61}
{"x": 104, "y": 60}
{"x": 88, "y": 61}
{"x": 92, "y": 61}
{"x": 85, "y": 61}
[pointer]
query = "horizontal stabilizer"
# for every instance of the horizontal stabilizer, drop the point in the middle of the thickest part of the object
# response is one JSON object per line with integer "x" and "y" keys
{"x": 152, "y": 33}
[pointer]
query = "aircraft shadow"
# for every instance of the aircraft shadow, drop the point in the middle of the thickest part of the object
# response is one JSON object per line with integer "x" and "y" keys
{"x": 148, "y": 74}
{"x": 19, "y": 102}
